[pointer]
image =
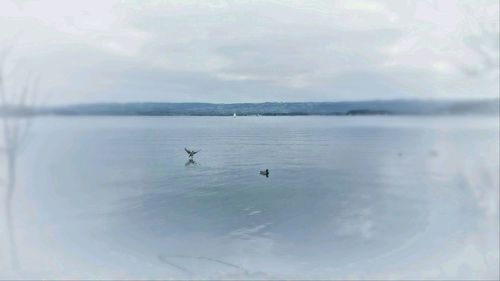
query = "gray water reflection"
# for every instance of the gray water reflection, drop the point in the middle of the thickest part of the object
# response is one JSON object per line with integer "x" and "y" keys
{"x": 348, "y": 198}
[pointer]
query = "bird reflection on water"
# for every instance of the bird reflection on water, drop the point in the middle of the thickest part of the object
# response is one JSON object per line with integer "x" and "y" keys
{"x": 191, "y": 162}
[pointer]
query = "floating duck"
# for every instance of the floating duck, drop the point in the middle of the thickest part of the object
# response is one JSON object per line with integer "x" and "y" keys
{"x": 265, "y": 173}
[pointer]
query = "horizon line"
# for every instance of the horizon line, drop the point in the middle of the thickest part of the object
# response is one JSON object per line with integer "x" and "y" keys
{"x": 296, "y": 102}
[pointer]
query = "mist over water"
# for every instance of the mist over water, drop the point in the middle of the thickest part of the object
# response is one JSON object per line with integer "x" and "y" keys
{"x": 346, "y": 198}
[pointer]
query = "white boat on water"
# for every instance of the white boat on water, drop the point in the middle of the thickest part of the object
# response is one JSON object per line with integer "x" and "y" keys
{"x": 234, "y": 115}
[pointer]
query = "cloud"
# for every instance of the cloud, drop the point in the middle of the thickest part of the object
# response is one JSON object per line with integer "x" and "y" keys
{"x": 256, "y": 50}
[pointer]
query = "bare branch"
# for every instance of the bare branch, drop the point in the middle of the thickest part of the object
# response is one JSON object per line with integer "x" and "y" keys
{"x": 15, "y": 129}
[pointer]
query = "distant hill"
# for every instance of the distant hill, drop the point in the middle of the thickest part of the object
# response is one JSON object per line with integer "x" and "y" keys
{"x": 387, "y": 107}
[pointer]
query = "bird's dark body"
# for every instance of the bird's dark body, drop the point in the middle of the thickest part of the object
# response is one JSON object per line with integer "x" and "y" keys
{"x": 265, "y": 173}
{"x": 191, "y": 153}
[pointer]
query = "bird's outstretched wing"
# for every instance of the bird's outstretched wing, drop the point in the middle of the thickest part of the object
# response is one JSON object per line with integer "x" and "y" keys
{"x": 187, "y": 150}
{"x": 194, "y": 152}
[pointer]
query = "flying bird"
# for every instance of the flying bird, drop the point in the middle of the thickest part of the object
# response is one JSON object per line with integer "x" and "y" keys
{"x": 191, "y": 153}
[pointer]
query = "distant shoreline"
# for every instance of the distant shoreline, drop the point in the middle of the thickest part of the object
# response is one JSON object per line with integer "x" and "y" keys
{"x": 356, "y": 108}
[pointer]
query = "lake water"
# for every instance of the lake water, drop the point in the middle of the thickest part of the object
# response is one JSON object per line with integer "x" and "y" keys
{"x": 346, "y": 198}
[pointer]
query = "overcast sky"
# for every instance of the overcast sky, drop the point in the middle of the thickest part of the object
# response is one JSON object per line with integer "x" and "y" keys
{"x": 255, "y": 51}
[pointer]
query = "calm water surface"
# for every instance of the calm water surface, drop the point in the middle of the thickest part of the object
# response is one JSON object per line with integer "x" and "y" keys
{"x": 347, "y": 197}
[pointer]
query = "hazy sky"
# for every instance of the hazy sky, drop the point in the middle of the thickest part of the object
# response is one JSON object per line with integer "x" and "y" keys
{"x": 253, "y": 51}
